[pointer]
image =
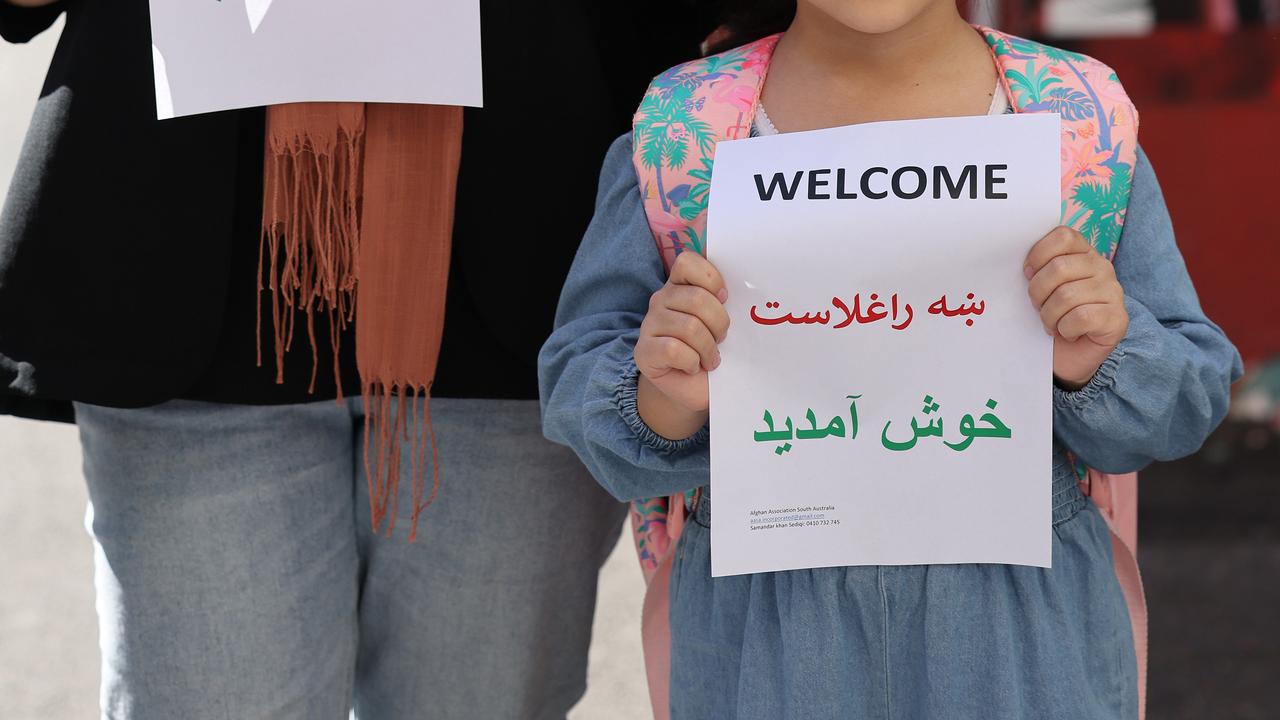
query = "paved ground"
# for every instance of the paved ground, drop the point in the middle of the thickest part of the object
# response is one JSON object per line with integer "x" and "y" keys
{"x": 1210, "y": 554}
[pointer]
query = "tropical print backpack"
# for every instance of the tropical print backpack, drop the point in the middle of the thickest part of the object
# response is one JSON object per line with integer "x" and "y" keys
{"x": 691, "y": 107}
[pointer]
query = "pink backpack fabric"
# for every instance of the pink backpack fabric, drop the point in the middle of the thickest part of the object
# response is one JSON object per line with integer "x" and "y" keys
{"x": 691, "y": 107}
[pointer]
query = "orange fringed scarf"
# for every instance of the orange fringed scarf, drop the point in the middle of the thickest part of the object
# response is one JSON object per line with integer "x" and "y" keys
{"x": 357, "y": 222}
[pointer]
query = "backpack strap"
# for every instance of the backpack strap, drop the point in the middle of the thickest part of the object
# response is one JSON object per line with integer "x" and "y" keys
{"x": 684, "y": 113}
{"x": 1099, "y": 129}
{"x": 691, "y": 107}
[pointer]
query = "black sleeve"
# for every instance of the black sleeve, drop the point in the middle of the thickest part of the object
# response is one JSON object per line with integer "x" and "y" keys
{"x": 20, "y": 24}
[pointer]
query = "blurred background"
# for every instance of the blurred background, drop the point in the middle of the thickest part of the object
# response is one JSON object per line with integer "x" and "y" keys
{"x": 1205, "y": 75}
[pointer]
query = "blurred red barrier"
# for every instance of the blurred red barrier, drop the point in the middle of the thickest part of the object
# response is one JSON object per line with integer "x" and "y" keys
{"x": 1219, "y": 167}
{"x": 1210, "y": 112}
{"x": 1187, "y": 64}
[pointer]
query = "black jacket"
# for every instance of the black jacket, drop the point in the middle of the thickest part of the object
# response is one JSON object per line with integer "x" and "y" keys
{"x": 128, "y": 246}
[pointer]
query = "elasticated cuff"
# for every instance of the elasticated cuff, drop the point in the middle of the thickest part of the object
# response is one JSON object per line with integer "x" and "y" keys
{"x": 1102, "y": 380}
{"x": 624, "y": 397}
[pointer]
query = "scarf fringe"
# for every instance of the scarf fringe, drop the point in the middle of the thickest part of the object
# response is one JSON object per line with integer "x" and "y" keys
{"x": 387, "y": 421}
{"x": 309, "y": 249}
{"x": 334, "y": 172}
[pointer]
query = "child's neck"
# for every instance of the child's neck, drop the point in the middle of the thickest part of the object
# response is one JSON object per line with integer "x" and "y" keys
{"x": 825, "y": 74}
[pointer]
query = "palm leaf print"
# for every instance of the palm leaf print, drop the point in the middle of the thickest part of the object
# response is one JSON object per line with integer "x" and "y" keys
{"x": 1069, "y": 102}
{"x": 1104, "y": 203}
{"x": 694, "y": 242}
{"x": 1032, "y": 83}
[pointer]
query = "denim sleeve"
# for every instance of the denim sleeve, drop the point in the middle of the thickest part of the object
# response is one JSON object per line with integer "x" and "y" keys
{"x": 1167, "y": 384}
{"x": 586, "y": 374}
{"x": 20, "y": 24}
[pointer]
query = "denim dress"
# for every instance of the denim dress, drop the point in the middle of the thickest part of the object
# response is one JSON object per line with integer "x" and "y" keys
{"x": 894, "y": 642}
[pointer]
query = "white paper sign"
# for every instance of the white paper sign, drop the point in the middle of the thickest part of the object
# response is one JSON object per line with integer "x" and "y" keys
{"x": 894, "y": 274}
{"x": 212, "y": 55}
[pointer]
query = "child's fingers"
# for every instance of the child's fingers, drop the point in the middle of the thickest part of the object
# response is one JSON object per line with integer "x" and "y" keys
{"x": 1058, "y": 271}
{"x": 694, "y": 301}
{"x": 1059, "y": 241}
{"x": 688, "y": 329}
{"x": 1092, "y": 319}
{"x": 690, "y": 268}
{"x": 1069, "y": 296}
{"x": 662, "y": 354}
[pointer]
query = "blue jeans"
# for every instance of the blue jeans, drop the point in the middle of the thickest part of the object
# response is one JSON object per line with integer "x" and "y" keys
{"x": 237, "y": 575}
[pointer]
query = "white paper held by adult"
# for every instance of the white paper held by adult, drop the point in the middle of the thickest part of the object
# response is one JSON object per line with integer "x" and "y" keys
{"x": 216, "y": 55}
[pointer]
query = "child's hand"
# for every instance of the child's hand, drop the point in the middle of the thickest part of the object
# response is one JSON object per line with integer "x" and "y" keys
{"x": 1080, "y": 302}
{"x": 678, "y": 338}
